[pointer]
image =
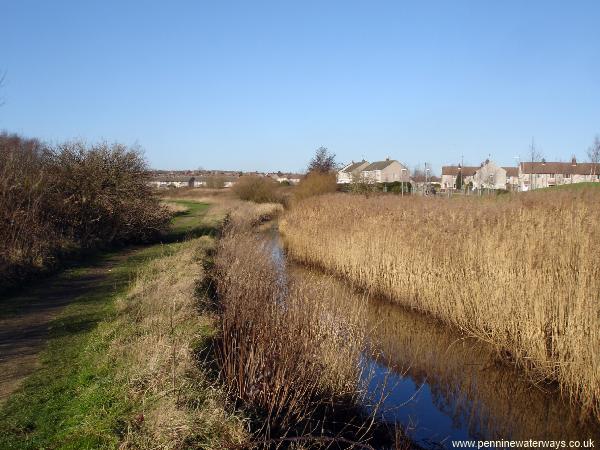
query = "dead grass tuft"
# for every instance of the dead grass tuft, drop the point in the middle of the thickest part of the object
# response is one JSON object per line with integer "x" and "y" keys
{"x": 160, "y": 330}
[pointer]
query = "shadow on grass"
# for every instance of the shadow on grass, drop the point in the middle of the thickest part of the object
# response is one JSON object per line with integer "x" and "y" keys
{"x": 191, "y": 233}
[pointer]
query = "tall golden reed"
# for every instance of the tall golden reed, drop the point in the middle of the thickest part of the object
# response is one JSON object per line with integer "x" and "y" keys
{"x": 519, "y": 272}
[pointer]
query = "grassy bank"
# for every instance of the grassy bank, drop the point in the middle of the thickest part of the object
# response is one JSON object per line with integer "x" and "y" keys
{"x": 519, "y": 272}
{"x": 573, "y": 187}
{"x": 120, "y": 368}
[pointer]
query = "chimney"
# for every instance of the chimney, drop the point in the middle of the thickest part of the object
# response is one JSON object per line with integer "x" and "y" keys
{"x": 573, "y": 161}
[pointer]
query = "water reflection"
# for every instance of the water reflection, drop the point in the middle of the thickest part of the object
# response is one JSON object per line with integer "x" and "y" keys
{"x": 441, "y": 385}
{"x": 445, "y": 387}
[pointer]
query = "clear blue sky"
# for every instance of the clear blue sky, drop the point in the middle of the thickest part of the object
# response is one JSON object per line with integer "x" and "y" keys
{"x": 259, "y": 85}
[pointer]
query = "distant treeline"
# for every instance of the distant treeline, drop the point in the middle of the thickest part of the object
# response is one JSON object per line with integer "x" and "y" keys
{"x": 61, "y": 199}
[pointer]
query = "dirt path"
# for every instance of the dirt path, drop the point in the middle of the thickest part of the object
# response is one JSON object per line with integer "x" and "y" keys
{"x": 24, "y": 330}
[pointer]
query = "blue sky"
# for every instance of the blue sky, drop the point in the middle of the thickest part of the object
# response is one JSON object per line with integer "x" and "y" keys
{"x": 259, "y": 85}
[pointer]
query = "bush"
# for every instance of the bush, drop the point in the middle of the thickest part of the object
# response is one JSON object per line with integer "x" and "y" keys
{"x": 215, "y": 182}
{"x": 256, "y": 189}
{"x": 101, "y": 194}
{"x": 396, "y": 187}
{"x": 70, "y": 197}
{"x": 25, "y": 229}
{"x": 316, "y": 183}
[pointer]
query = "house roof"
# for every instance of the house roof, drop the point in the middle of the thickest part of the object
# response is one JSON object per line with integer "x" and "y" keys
{"x": 421, "y": 178}
{"x": 571, "y": 168}
{"x": 354, "y": 166}
{"x": 453, "y": 170}
{"x": 379, "y": 165}
{"x": 172, "y": 178}
{"x": 511, "y": 171}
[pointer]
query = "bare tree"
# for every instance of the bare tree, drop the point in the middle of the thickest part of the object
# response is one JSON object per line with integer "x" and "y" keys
{"x": 594, "y": 154}
{"x": 418, "y": 172}
{"x": 534, "y": 156}
{"x": 323, "y": 161}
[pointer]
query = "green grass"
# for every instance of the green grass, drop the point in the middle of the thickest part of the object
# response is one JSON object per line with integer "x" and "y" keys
{"x": 190, "y": 223}
{"x": 573, "y": 187}
{"x": 74, "y": 400}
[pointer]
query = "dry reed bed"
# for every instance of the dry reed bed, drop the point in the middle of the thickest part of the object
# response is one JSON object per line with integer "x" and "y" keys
{"x": 521, "y": 273}
{"x": 283, "y": 349}
{"x": 490, "y": 397}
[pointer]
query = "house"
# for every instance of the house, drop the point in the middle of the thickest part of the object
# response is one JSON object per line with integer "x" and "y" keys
{"x": 512, "y": 178}
{"x": 386, "y": 171}
{"x": 178, "y": 181}
{"x": 173, "y": 181}
{"x": 489, "y": 176}
{"x": 217, "y": 181}
{"x": 422, "y": 183}
{"x": 535, "y": 175}
{"x": 280, "y": 177}
{"x": 451, "y": 173}
{"x": 294, "y": 178}
{"x": 349, "y": 172}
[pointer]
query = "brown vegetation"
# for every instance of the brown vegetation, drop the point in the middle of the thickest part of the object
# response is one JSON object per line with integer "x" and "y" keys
{"x": 159, "y": 328}
{"x": 467, "y": 377}
{"x": 174, "y": 208}
{"x": 257, "y": 189}
{"x": 315, "y": 183}
{"x": 520, "y": 272}
{"x": 58, "y": 199}
{"x": 283, "y": 350}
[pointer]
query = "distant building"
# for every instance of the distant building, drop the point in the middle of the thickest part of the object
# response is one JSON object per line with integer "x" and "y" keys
{"x": 350, "y": 171}
{"x": 489, "y": 176}
{"x": 280, "y": 177}
{"x": 422, "y": 183}
{"x": 451, "y": 173}
{"x": 386, "y": 171}
{"x": 164, "y": 181}
{"x": 512, "y": 178}
{"x": 174, "y": 181}
{"x": 536, "y": 175}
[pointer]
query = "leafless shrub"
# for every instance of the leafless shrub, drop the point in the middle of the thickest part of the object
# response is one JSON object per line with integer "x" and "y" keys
{"x": 284, "y": 349}
{"x": 315, "y": 183}
{"x": 256, "y": 189}
{"x": 73, "y": 196}
{"x": 27, "y": 235}
{"x": 102, "y": 195}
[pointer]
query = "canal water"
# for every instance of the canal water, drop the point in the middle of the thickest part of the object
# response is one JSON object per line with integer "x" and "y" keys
{"x": 440, "y": 385}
